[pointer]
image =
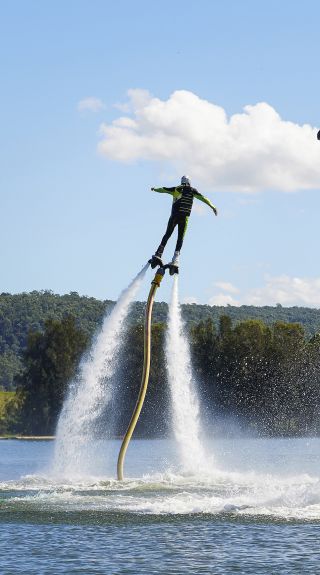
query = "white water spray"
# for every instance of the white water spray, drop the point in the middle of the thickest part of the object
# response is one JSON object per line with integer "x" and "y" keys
{"x": 91, "y": 391}
{"x": 185, "y": 404}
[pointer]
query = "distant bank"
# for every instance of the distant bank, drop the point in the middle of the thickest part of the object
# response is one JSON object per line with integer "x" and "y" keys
{"x": 29, "y": 437}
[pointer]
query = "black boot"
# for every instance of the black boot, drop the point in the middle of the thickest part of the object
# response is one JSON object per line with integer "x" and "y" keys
{"x": 156, "y": 259}
{"x": 174, "y": 265}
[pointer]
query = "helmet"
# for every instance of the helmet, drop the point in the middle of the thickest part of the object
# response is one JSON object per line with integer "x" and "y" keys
{"x": 185, "y": 181}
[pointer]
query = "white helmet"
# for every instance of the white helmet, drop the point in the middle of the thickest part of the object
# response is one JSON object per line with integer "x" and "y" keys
{"x": 185, "y": 181}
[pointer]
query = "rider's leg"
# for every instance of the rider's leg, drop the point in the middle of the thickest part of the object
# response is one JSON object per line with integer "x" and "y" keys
{"x": 170, "y": 227}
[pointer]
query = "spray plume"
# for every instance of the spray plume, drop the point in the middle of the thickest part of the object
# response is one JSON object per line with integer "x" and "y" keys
{"x": 185, "y": 404}
{"x": 91, "y": 391}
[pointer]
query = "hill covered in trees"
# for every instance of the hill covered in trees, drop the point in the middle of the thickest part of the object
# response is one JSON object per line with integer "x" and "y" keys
{"x": 264, "y": 378}
{"x": 23, "y": 313}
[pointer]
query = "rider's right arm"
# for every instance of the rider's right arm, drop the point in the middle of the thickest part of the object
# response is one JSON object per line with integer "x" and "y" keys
{"x": 163, "y": 190}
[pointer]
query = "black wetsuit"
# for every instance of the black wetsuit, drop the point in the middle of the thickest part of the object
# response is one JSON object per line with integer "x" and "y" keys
{"x": 181, "y": 209}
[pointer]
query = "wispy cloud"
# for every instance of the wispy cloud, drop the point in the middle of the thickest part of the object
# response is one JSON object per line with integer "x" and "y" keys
{"x": 91, "y": 104}
{"x": 227, "y": 286}
{"x": 284, "y": 289}
{"x": 190, "y": 299}
{"x": 250, "y": 151}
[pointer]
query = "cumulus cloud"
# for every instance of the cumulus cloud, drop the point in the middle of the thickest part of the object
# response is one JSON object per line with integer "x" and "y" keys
{"x": 91, "y": 104}
{"x": 284, "y": 289}
{"x": 288, "y": 291}
{"x": 250, "y": 151}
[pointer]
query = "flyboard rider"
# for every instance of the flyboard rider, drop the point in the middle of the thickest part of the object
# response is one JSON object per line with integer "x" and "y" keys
{"x": 181, "y": 209}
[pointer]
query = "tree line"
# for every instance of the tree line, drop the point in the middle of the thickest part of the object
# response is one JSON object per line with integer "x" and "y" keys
{"x": 266, "y": 378}
{"x": 25, "y": 312}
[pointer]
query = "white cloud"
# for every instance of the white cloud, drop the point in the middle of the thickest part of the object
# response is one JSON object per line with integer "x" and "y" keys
{"x": 92, "y": 104}
{"x": 250, "y": 151}
{"x": 284, "y": 289}
{"x": 227, "y": 286}
{"x": 288, "y": 291}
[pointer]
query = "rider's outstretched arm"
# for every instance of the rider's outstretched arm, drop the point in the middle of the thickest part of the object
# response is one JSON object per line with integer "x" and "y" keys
{"x": 206, "y": 201}
{"x": 164, "y": 190}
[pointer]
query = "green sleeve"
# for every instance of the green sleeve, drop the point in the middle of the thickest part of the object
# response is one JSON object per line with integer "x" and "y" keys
{"x": 204, "y": 200}
{"x": 170, "y": 191}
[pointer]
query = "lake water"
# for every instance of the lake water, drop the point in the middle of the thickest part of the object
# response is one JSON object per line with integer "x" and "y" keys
{"x": 255, "y": 509}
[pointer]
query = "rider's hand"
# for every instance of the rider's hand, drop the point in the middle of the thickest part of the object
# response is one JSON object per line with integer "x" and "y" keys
{"x": 215, "y": 211}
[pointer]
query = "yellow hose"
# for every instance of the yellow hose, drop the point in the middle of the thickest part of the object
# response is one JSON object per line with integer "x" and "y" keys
{"x": 145, "y": 375}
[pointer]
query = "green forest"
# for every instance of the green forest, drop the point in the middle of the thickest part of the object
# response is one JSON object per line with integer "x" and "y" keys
{"x": 256, "y": 367}
{"x": 23, "y": 313}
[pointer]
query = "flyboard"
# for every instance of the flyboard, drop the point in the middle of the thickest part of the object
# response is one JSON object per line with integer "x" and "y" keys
{"x": 155, "y": 284}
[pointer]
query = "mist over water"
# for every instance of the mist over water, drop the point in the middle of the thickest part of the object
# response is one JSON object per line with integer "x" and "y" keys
{"x": 77, "y": 453}
{"x": 273, "y": 478}
{"x": 185, "y": 403}
{"x": 91, "y": 391}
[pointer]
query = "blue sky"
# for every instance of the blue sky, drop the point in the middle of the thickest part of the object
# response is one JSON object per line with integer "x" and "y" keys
{"x": 76, "y": 217}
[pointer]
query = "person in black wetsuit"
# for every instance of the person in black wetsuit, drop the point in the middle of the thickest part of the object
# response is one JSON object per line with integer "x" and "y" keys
{"x": 181, "y": 209}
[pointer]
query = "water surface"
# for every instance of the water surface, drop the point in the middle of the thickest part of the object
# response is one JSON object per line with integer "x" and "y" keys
{"x": 254, "y": 508}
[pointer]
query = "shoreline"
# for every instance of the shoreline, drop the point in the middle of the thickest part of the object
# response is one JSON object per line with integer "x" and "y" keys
{"x": 28, "y": 437}
{"x": 139, "y": 438}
